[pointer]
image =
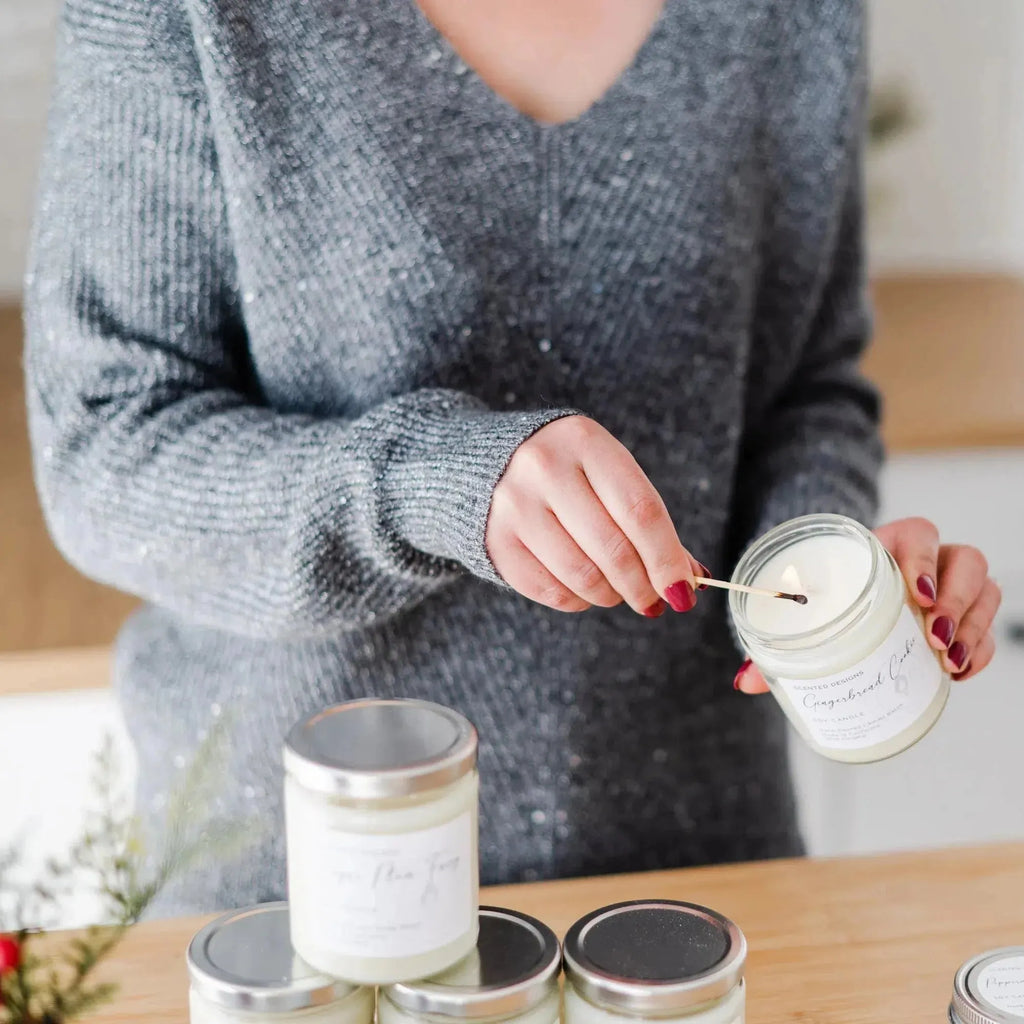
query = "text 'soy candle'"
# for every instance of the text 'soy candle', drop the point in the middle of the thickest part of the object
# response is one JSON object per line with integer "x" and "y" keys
{"x": 852, "y": 668}
{"x": 381, "y": 828}
{"x": 511, "y": 977}
{"x": 243, "y": 971}
{"x": 989, "y": 989}
{"x": 654, "y": 960}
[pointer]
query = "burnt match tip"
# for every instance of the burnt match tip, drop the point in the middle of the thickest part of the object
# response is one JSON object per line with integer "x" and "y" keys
{"x": 799, "y": 598}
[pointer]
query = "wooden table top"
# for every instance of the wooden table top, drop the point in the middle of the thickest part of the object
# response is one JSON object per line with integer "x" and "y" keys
{"x": 845, "y": 941}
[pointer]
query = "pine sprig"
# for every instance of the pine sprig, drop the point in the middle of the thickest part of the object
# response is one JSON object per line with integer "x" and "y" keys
{"x": 109, "y": 860}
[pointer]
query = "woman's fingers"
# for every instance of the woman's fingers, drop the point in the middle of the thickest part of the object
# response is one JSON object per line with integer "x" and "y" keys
{"x": 749, "y": 679}
{"x": 914, "y": 543}
{"x": 963, "y": 571}
{"x": 553, "y": 544}
{"x": 979, "y": 659}
{"x": 587, "y": 521}
{"x": 636, "y": 507}
{"x": 576, "y": 501}
{"x": 975, "y": 625}
{"x": 521, "y": 570}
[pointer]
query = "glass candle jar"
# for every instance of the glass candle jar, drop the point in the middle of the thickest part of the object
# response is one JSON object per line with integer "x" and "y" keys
{"x": 852, "y": 668}
{"x": 990, "y": 989}
{"x": 381, "y": 823}
{"x": 511, "y": 976}
{"x": 654, "y": 960}
{"x": 243, "y": 971}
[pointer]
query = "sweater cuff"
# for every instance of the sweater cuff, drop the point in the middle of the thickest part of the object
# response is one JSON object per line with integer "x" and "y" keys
{"x": 445, "y": 493}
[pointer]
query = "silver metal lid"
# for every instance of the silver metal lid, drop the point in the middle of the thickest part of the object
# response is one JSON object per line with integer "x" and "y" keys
{"x": 513, "y": 968}
{"x": 244, "y": 961}
{"x": 654, "y": 956}
{"x": 376, "y": 749}
{"x": 990, "y": 988}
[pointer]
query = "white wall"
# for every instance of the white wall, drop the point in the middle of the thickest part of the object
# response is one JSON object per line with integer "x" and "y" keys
{"x": 26, "y": 45}
{"x": 952, "y": 191}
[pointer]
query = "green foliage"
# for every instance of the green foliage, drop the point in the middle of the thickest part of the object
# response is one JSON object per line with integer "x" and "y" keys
{"x": 890, "y": 114}
{"x": 108, "y": 859}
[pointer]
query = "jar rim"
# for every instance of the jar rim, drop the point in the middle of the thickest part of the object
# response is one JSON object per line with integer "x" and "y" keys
{"x": 778, "y": 539}
{"x": 379, "y": 749}
{"x": 599, "y": 985}
{"x": 527, "y": 984}
{"x": 969, "y": 1006}
{"x": 277, "y": 983}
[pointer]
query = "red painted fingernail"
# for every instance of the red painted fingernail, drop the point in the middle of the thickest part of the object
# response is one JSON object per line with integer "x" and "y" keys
{"x": 958, "y": 654}
{"x": 739, "y": 675}
{"x": 705, "y": 571}
{"x": 657, "y": 609}
{"x": 926, "y": 587}
{"x": 943, "y": 629}
{"x": 681, "y": 596}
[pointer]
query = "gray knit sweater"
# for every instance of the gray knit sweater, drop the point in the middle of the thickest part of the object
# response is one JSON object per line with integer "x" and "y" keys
{"x": 301, "y": 284}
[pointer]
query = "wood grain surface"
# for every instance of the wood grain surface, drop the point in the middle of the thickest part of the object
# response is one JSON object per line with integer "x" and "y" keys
{"x": 846, "y": 941}
{"x": 67, "y": 668}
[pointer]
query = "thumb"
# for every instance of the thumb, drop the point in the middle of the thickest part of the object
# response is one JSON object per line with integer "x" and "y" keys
{"x": 749, "y": 679}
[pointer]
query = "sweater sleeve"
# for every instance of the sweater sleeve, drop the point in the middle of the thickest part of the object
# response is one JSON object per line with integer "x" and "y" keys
{"x": 159, "y": 468}
{"x": 815, "y": 447}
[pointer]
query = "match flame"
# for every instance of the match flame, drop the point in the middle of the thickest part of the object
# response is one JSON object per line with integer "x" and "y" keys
{"x": 790, "y": 580}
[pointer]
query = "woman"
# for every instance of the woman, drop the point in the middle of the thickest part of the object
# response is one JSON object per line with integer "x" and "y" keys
{"x": 350, "y": 328}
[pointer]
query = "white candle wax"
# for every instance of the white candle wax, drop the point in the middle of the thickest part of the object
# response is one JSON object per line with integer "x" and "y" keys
{"x": 830, "y": 570}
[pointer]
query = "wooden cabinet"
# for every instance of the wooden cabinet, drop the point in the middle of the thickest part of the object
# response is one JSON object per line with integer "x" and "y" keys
{"x": 948, "y": 354}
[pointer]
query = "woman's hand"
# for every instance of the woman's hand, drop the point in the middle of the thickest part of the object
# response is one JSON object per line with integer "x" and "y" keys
{"x": 574, "y": 522}
{"x": 950, "y": 582}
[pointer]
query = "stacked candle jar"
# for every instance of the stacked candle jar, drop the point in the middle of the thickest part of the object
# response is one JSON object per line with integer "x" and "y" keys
{"x": 381, "y": 821}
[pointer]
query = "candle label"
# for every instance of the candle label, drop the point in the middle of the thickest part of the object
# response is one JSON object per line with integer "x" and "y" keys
{"x": 874, "y": 700}
{"x": 389, "y": 895}
{"x": 1002, "y": 984}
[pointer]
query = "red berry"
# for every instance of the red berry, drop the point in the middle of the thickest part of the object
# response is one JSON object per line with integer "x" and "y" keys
{"x": 10, "y": 954}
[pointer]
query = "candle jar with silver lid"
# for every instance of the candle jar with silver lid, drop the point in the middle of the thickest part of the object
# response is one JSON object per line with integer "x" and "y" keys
{"x": 654, "y": 960}
{"x": 852, "y": 668}
{"x": 381, "y": 830}
{"x": 243, "y": 970}
{"x": 511, "y": 976}
{"x": 989, "y": 989}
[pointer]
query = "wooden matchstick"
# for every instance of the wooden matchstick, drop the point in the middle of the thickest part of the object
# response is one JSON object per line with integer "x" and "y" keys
{"x": 704, "y": 581}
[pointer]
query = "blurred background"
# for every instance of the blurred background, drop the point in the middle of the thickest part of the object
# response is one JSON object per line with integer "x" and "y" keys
{"x": 946, "y": 233}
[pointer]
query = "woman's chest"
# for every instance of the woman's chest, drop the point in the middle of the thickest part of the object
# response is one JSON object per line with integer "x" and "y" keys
{"x": 420, "y": 231}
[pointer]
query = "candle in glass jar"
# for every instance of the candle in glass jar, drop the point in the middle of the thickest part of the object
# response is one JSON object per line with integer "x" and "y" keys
{"x": 511, "y": 977}
{"x": 852, "y": 668}
{"x": 243, "y": 971}
{"x": 381, "y": 831}
{"x": 654, "y": 960}
{"x": 989, "y": 989}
